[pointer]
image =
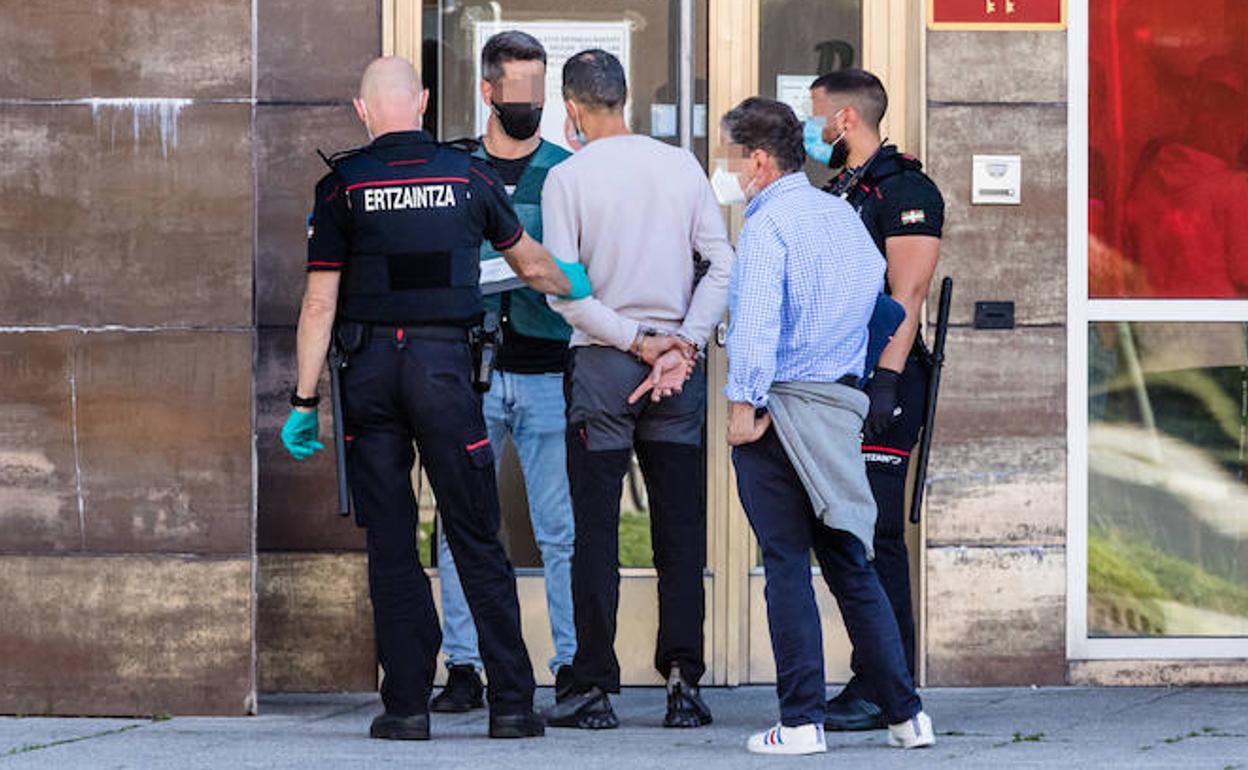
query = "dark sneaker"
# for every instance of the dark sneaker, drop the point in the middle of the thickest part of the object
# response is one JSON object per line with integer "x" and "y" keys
{"x": 848, "y": 713}
{"x": 463, "y": 692}
{"x": 590, "y": 710}
{"x": 685, "y": 707}
{"x": 565, "y": 684}
{"x": 525, "y": 725}
{"x": 395, "y": 728}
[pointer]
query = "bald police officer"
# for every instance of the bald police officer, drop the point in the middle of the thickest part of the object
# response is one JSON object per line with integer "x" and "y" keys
{"x": 394, "y": 256}
{"x": 904, "y": 213}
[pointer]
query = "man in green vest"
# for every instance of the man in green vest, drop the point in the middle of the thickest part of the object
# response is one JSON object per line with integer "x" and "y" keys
{"x": 526, "y": 397}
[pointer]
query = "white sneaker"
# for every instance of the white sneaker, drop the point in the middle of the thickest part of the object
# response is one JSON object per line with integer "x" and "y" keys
{"x": 914, "y": 733}
{"x": 804, "y": 739}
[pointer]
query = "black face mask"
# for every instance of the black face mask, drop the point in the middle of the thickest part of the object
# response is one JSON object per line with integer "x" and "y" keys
{"x": 519, "y": 119}
{"x": 840, "y": 154}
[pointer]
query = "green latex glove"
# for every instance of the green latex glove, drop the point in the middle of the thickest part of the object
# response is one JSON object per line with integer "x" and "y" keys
{"x": 579, "y": 279}
{"x": 299, "y": 434}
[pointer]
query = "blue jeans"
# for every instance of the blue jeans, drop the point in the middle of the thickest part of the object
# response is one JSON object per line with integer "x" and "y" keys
{"x": 531, "y": 408}
{"x": 781, "y": 515}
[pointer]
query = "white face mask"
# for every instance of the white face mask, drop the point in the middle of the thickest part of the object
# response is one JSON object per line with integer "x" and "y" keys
{"x": 726, "y": 186}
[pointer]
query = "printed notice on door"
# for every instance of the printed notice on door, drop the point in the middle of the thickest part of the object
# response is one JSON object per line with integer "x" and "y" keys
{"x": 562, "y": 40}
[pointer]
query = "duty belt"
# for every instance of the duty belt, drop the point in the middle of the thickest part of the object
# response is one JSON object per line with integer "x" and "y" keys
{"x": 420, "y": 331}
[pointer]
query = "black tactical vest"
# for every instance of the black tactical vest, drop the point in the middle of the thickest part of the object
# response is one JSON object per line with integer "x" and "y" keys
{"x": 415, "y": 252}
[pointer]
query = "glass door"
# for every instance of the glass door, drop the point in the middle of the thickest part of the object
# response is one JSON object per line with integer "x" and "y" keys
{"x": 662, "y": 46}
{"x": 1159, "y": 330}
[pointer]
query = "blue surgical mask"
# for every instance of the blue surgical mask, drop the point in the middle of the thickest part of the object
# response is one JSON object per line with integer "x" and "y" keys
{"x": 812, "y": 138}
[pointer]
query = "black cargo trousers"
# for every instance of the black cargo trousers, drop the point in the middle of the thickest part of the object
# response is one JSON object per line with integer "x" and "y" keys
{"x": 888, "y": 462}
{"x": 602, "y": 430}
{"x": 414, "y": 384}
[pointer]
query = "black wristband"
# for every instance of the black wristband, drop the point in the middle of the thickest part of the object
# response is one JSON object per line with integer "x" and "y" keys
{"x": 305, "y": 403}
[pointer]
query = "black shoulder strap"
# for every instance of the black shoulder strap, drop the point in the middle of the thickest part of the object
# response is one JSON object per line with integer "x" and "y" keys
{"x": 463, "y": 144}
{"x": 333, "y": 160}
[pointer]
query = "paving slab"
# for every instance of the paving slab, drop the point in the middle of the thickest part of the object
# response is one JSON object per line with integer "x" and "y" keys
{"x": 984, "y": 728}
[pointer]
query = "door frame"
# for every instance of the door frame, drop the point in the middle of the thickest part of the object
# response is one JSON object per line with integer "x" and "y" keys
{"x": 1080, "y": 312}
{"x": 894, "y": 46}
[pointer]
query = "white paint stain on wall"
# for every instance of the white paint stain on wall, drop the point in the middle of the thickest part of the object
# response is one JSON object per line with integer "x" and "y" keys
{"x": 140, "y": 116}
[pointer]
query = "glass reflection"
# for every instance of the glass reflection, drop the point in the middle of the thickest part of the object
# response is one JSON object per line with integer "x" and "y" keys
{"x": 801, "y": 40}
{"x": 1168, "y": 497}
{"x": 1168, "y": 157}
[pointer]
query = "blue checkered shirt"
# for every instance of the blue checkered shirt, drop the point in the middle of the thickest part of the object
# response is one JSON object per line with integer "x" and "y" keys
{"x": 803, "y": 289}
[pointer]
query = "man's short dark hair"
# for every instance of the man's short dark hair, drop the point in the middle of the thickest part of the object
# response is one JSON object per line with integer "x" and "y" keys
{"x": 768, "y": 125}
{"x": 595, "y": 79}
{"x": 510, "y": 45}
{"x": 863, "y": 90}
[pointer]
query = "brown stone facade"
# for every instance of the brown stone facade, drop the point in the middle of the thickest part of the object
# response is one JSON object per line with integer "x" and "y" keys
{"x": 160, "y": 161}
{"x": 996, "y": 520}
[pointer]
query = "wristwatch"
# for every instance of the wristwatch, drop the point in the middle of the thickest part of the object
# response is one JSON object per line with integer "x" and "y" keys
{"x": 304, "y": 403}
{"x": 639, "y": 340}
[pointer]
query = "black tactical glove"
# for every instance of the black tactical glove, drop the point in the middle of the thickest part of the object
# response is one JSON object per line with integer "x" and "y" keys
{"x": 882, "y": 390}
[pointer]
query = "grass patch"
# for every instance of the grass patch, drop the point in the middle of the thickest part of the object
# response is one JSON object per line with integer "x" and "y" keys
{"x": 1133, "y": 573}
{"x": 635, "y": 550}
{"x": 29, "y": 747}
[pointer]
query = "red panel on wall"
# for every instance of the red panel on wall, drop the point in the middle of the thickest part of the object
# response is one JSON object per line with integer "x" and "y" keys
{"x": 997, "y": 14}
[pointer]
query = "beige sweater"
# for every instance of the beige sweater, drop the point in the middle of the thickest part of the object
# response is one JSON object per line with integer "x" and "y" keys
{"x": 633, "y": 210}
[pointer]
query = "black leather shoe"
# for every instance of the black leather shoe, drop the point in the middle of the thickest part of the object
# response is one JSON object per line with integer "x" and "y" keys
{"x": 590, "y": 710}
{"x": 565, "y": 684}
{"x": 525, "y": 725}
{"x": 395, "y": 728}
{"x": 685, "y": 707}
{"x": 849, "y": 713}
{"x": 463, "y": 692}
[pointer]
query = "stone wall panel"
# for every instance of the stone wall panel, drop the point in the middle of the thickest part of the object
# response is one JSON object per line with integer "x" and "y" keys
{"x": 126, "y": 635}
{"x": 297, "y": 501}
{"x": 314, "y": 51}
{"x": 118, "y": 48}
{"x": 287, "y": 171}
{"x": 995, "y": 616}
{"x": 1013, "y": 253}
{"x": 114, "y": 216}
{"x": 164, "y": 430}
{"x": 38, "y": 477}
{"x": 315, "y": 623}
{"x": 979, "y": 66}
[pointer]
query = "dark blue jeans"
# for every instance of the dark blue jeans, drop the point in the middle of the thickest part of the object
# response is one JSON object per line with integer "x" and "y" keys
{"x": 396, "y": 392}
{"x": 781, "y": 515}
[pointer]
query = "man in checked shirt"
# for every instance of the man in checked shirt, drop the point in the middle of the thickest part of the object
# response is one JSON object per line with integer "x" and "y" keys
{"x": 802, "y": 293}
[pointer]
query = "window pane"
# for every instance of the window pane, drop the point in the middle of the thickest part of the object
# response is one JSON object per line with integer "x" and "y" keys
{"x": 801, "y": 40}
{"x": 644, "y": 34}
{"x": 1168, "y": 498}
{"x": 1168, "y": 156}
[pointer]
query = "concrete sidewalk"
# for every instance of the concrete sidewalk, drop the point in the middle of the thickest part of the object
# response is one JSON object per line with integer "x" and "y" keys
{"x": 1068, "y": 728}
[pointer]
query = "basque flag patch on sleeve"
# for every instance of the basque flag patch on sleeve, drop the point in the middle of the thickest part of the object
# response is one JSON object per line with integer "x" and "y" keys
{"x": 913, "y": 217}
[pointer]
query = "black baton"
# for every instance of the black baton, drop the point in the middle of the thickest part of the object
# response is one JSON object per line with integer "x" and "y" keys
{"x": 340, "y": 439}
{"x": 933, "y": 390}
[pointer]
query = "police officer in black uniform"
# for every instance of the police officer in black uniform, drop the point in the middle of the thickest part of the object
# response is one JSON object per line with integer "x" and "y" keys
{"x": 394, "y": 254}
{"x": 904, "y": 212}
